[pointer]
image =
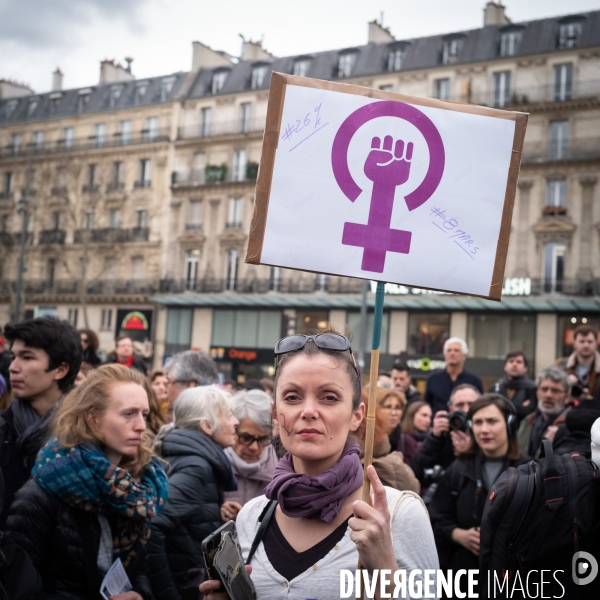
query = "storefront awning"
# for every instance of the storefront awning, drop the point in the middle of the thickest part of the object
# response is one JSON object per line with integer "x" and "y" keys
{"x": 427, "y": 302}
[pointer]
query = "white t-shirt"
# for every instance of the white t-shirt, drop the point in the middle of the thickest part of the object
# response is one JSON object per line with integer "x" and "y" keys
{"x": 414, "y": 548}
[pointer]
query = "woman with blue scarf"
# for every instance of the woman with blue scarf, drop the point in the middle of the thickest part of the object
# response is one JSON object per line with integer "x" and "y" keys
{"x": 96, "y": 484}
{"x": 199, "y": 474}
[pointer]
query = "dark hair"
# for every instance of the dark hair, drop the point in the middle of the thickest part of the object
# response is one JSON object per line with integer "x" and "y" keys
{"x": 93, "y": 341}
{"x": 462, "y": 386}
{"x": 584, "y": 330}
{"x": 400, "y": 366}
{"x": 123, "y": 337}
{"x": 408, "y": 420}
{"x": 311, "y": 349}
{"x": 58, "y": 339}
{"x": 155, "y": 374}
{"x": 506, "y": 408}
{"x": 384, "y": 374}
{"x": 253, "y": 384}
{"x": 515, "y": 354}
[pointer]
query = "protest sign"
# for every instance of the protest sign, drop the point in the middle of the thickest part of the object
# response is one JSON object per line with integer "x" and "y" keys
{"x": 371, "y": 184}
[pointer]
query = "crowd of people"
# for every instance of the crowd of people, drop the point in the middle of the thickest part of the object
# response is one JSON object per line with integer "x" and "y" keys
{"x": 111, "y": 461}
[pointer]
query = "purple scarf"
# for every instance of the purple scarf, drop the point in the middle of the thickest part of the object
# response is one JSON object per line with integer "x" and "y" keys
{"x": 318, "y": 495}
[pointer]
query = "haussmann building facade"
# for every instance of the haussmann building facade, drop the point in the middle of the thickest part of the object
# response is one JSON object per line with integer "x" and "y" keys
{"x": 195, "y": 284}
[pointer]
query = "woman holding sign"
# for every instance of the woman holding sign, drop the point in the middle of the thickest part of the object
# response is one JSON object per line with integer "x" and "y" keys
{"x": 320, "y": 527}
{"x": 96, "y": 484}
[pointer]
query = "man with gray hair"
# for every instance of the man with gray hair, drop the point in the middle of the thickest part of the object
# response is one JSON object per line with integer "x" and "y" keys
{"x": 186, "y": 370}
{"x": 441, "y": 383}
{"x": 553, "y": 394}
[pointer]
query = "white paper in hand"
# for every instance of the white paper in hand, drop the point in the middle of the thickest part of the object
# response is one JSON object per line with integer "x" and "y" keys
{"x": 115, "y": 581}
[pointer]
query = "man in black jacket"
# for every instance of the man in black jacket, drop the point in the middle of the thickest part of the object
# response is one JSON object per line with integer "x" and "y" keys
{"x": 516, "y": 386}
{"x": 46, "y": 356}
{"x": 441, "y": 383}
{"x": 439, "y": 445}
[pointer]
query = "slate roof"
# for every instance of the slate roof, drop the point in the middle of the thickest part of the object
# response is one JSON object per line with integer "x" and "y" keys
{"x": 99, "y": 98}
{"x": 479, "y": 45}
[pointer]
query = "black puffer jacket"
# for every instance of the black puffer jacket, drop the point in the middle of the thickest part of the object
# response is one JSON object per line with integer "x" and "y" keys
{"x": 457, "y": 503}
{"x": 63, "y": 545}
{"x": 199, "y": 474}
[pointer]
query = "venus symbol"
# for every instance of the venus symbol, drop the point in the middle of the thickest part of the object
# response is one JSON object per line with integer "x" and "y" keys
{"x": 387, "y": 166}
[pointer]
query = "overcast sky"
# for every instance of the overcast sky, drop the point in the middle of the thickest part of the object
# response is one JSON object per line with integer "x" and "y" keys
{"x": 36, "y": 36}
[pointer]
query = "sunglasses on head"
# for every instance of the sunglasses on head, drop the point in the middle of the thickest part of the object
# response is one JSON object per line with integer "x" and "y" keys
{"x": 324, "y": 341}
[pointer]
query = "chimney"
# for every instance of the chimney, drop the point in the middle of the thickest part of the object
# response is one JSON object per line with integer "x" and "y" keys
{"x": 378, "y": 33}
{"x": 57, "y": 80}
{"x": 254, "y": 51}
{"x": 128, "y": 60}
{"x": 13, "y": 89}
{"x": 113, "y": 72}
{"x": 493, "y": 14}
{"x": 205, "y": 57}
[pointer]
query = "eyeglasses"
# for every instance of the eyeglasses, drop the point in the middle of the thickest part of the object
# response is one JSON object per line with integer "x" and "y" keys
{"x": 325, "y": 341}
{"x": 247, "y": 440}
{"x": 84, "y": 340}
{"x": 392, "y": 408}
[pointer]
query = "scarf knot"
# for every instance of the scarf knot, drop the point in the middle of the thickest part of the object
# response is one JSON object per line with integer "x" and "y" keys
{"x": 322, "y": 495}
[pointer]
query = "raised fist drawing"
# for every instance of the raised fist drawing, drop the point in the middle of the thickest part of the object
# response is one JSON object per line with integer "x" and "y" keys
{"x": 387, "y": 166}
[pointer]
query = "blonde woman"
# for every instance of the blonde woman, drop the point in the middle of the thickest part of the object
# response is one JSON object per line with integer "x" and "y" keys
{"x": 199, "y": 475}
{"x": 390, "y": 465}
{"x": 95, "y": 486}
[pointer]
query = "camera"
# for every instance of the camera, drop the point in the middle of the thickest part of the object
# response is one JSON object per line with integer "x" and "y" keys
{"x": 457, "y": 421}
{"x": 431, "y": 477}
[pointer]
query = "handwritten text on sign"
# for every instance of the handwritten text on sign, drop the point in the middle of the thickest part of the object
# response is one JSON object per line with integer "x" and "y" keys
{"x": 294, "y": 131}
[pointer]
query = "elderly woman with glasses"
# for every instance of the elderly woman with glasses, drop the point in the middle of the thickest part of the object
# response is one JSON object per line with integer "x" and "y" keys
{"x": 313, "y": 523}
{"x": 252, "y": 457}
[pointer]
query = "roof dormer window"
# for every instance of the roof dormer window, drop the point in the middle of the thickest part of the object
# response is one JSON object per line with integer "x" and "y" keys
{"x": 451, "y": 50}
{"x": 9, "y": 107}
{"x": 259, "y": 72}
{"x": 569, "y": 33}
{"x": 33, "y": 104}
{"x": 396, "y": 57}
{"x": 83, "y": 99}
{"x": 218, "y": 81}
{"x": 166, "y": 86}
{"x": 140, "y": 91}
{"x": 346, "y": 62}
{"x": 301, "y": 66}
{"x": 115, "y": 94}
{"x": 510, "y": 40}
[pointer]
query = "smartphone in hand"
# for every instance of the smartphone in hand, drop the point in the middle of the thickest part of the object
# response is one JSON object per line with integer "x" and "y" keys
{"x": 224, "y": 561}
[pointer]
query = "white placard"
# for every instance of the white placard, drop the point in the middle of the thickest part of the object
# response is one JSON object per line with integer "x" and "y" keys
{"x": 421, "y": 200}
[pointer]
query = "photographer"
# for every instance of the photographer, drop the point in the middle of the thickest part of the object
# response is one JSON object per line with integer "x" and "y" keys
{"x": 583, "y": 366}
{"x": 516, "y": 386}
{"x": 440, "y": 444}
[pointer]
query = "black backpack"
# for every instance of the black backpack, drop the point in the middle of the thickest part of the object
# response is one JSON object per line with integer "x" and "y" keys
{"x": 536, "y": 517}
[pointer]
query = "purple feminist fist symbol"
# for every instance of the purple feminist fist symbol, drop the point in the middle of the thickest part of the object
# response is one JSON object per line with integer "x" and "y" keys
{"x": 387, "y": 166}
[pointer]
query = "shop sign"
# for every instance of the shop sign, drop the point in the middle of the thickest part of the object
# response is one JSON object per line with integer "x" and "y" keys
{"x": 513, "y": 286}
{"x": 425, "y": 364}
{"x": 234, "y": 354}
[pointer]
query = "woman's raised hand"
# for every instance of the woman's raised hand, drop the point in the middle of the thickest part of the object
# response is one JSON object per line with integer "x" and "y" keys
{"x": 371, "y": 528}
